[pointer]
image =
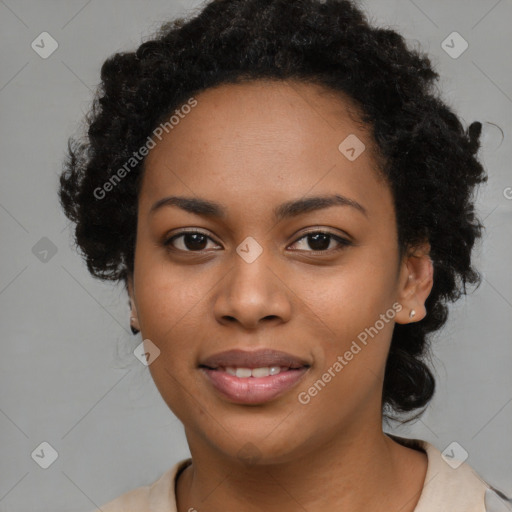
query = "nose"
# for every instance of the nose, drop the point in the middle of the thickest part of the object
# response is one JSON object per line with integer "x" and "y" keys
{"x": 252, "y": 294}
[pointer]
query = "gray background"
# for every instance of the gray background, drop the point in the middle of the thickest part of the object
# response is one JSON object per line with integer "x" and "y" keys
{"x": 67, "y": 372}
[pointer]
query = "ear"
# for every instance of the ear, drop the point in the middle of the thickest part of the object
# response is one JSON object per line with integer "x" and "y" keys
{"x": 416, "y": 279}
{"x": 134, "y": 319}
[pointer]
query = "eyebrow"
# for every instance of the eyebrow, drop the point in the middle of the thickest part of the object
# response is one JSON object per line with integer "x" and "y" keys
{"x": 285, "y": 210}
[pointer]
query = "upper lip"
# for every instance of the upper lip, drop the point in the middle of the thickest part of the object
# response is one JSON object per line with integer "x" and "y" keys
{"x": 253, "y": 359}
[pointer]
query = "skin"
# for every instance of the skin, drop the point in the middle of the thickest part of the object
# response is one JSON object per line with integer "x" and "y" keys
{"x": 251, "y": 147}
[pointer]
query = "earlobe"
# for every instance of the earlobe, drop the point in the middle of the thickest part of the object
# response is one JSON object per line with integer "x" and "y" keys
{"x": 132, "y": 327}
{"x": 134, "y": 320}
{"x": 416, "y": 281}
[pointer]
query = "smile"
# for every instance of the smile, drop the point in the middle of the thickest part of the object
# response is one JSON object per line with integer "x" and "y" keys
{"x": 244, "y": 373}
{"x": 253, "y": 377}
{"x": 253, "y": 386}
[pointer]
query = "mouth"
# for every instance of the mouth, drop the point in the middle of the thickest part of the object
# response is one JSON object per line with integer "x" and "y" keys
{"x": 257, "y": 373}
{"x": 253, "y": 377}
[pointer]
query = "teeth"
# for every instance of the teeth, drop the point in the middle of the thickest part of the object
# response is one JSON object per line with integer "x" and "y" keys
{"x": 254, "y": 372}
{"x": 243, "y": 372}
{"x": 261, "y": 372}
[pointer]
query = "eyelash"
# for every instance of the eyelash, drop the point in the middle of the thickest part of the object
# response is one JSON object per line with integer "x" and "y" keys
{"x": 343, "y": 242}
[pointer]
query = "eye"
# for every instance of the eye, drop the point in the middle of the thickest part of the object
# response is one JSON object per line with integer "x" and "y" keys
{"x": 320, "y": 241}
{"x": 191, "y": 241}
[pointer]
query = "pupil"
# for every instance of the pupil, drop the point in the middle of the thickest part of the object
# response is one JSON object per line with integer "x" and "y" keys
{"x": 196, "y": 244}
{"x": 317, "y": 242}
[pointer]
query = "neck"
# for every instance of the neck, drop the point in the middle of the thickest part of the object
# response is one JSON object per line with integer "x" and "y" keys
{"x": 364, "y": 471}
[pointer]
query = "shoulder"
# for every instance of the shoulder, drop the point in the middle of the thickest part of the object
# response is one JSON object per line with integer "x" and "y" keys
{"x": 136, "y": 499}
{"x": 452, "y": 484}
{"x": 160, "y": 495}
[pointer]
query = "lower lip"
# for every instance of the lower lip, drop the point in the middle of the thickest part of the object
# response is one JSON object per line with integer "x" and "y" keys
{"x": 253, "y": 390}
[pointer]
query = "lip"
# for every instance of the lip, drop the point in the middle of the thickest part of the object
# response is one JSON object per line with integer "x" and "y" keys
{"x": 253, "y": 390}
{"x": 253, "y": 359}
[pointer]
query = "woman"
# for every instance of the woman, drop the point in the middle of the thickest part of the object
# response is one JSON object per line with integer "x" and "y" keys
{"x": 289, "y": 205}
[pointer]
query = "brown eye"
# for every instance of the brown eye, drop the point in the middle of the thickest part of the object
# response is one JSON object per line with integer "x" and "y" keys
{"x": 188, "y": 241}
{"x": 316, "y": 241}
{"x": 320, "y": 241}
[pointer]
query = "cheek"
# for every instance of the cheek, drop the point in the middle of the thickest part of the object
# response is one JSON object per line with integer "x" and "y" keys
{"x": 168, "y": 306}
{"x": 351, "y": 297}
{"x": 351, "y": 354}
{"x": 165, "y": 291}
{"x": 353, "y": 306}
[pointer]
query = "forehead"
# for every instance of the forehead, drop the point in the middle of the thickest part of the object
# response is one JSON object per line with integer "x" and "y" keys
{"x": 265, "y": 139}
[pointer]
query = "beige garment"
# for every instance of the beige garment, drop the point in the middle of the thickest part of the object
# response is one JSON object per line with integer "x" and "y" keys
{"x": 445, "y": 488}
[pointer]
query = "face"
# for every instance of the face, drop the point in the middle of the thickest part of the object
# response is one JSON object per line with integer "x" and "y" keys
{"x": 267, "y": 268}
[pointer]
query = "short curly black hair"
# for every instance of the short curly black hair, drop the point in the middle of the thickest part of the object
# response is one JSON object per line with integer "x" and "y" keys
{"x": 428, "y": 159}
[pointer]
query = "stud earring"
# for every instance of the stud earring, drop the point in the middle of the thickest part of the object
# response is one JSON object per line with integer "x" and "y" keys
{"x": 412, "y": 313}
